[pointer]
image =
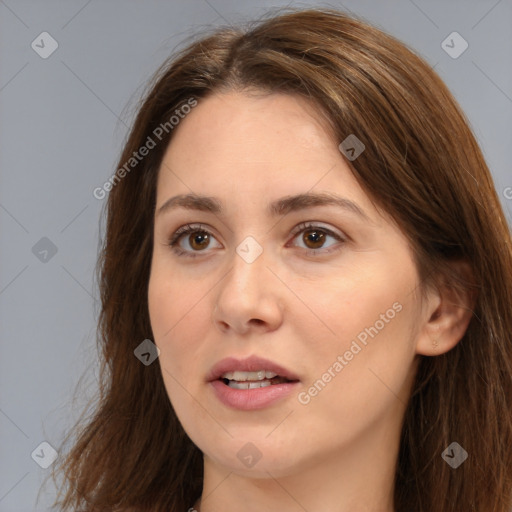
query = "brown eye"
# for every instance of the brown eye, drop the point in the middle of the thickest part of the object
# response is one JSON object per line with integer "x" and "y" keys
{"x": 190, "y": 240}
{"x": 313, "y": 238}
{"x": 316, "y": 240}
{"x": 199, "y": 240}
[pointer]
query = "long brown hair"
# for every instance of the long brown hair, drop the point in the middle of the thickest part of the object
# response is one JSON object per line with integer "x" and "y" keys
{"x": 421, "y": 164}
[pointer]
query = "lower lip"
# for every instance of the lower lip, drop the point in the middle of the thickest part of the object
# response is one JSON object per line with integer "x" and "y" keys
{"x": 252, "y": 399}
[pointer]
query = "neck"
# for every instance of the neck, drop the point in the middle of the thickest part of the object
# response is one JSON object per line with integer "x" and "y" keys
{"x": 357, "y": 478}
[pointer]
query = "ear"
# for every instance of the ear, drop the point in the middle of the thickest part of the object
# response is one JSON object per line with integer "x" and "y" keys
{"x": 447, "y": 313}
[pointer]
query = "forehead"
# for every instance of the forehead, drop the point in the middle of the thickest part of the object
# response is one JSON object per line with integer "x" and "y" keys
{"x": 247, "y": 129}
{"x": 242, "y": 138}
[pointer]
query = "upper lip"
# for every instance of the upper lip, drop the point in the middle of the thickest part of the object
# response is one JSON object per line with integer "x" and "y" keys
{"x": 250, "y": 364}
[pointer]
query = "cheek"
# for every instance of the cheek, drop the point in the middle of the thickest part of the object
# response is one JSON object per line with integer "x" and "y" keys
{"x": 171, "y": 299}
{"x": 362, "y": 331}
{"x": 180, "y": 321}
{"x": 348, "y": 301}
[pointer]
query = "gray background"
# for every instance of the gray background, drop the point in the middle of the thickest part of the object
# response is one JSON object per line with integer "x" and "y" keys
{"x": 63, "y": 120}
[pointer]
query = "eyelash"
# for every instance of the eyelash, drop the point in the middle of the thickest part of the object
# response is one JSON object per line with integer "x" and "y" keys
{"x": 189, "y": 229}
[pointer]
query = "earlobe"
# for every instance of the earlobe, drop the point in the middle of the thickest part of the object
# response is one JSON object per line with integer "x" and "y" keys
{"x": 448, "y": 317}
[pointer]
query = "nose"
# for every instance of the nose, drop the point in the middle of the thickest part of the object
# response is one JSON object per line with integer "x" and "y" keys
{"x": 249, "y": 297}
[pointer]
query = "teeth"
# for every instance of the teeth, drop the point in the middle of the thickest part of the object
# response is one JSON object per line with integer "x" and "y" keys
{"x": 244, "y": 376}
{"x": 248, "y": 385}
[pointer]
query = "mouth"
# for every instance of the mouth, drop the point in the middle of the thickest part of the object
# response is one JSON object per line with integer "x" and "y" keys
{"x": 252, "y": 380}
{"x": 251, "y": 383}
{"x": 250, "y": 370}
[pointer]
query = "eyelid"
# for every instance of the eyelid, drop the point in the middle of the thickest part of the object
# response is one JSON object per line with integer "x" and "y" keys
{"x": 184, "y": 230}
{"x": 303, "y": 226}
{"x": 311, "y": 224}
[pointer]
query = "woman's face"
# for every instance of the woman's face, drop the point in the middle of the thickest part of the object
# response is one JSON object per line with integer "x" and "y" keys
{"x": 326, "y": 292}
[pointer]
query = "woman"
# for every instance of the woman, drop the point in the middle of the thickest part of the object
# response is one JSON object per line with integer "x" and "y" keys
{"x": 306, "y": 288}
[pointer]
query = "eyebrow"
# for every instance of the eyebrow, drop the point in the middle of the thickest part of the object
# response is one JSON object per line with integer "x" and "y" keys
{"x": 280, "y": 207}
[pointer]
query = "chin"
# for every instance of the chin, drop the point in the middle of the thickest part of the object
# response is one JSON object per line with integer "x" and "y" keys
{"x": 255, "y": 458}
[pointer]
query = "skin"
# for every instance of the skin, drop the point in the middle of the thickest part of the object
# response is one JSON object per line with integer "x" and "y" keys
{"x": 299, "y": 309}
